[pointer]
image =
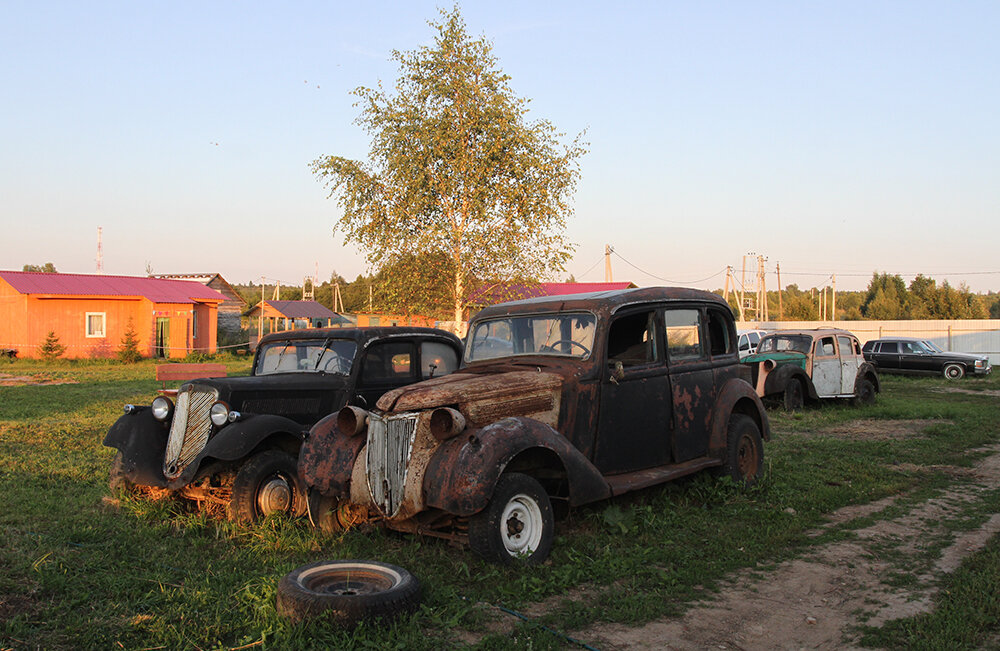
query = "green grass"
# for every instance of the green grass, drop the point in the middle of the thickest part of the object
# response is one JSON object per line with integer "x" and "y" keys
{"x": 79, "y": 572}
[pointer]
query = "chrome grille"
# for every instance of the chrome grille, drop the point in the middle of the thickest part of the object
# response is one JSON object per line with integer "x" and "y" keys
{"x": 389, "y": 443}
{"x": 189, "y": 429}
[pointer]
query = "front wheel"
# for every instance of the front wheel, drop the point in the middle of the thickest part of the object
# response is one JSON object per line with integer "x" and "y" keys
{"x": 954, "y": 371}
{"x": 744, "y": 462}
{"x": 267, "y": 483}
{"x": 116, "y": 478}
{"x": 866, "y": 393}
{"x": 794, "y": 397}
{"x": 517, "y": 525}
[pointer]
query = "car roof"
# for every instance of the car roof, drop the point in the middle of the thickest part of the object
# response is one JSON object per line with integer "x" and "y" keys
{"x": 603, "y": 303}
{"x": 901, "y": 339}
{"x": 360, "y": 335}
{"x": 813, "y": 332}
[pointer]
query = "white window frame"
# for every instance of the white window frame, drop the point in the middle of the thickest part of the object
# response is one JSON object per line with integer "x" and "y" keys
{"x": 104, "y": 325}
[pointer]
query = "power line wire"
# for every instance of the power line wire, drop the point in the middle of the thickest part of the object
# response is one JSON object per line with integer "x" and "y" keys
{"x": 667, "y": 280}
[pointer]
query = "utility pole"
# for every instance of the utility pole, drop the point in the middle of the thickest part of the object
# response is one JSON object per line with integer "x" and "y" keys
{"x": 834, "y": 277}
{"x": 725, "y": 291}
{"x": 100, "y": 251}
{"x": 781, "y": 308}
{"x": 260, "y": 319}
{"x": 607, "y": 263}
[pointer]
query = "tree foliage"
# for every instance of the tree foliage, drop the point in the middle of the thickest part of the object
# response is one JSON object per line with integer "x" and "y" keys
{"x": 456, "y": 177}
{"x": 129, "y": 352}
{"x": 51, "y": 348}
{"x": 47, "y": 268}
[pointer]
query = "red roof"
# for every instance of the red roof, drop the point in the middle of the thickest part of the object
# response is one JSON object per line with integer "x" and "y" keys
{"x": 300, "y": 309}
{"x": 157, "y": 290}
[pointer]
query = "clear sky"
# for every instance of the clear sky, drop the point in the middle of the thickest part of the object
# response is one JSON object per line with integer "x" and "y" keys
{"x": 833, "y": 138}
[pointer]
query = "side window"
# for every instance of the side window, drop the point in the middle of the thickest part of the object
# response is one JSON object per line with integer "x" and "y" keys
{"x": 437, "y": 359}
{"x": 389, "y": 361}
{"x": 718, "y": 334}
{"x": 683, "y": 334}
{"x": 95, "y": 324}
{"x": 744, "y": 342}
{"x": 889, "y": 347}
{"x": 824, "y": 347}
{"x": 632, "y": 340}
{"x": 754, "y": 338}
{"x": 847, "y": 347}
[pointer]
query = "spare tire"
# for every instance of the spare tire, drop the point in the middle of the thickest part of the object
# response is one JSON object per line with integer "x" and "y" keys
{"x": 347, "y": 592}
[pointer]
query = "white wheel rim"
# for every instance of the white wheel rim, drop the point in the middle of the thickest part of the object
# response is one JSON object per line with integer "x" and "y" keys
{"x": 275, "y": 496}
{"x": 521, "y": 525}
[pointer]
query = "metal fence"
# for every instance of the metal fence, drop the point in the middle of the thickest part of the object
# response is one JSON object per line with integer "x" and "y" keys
{"x": 964, "y": 336}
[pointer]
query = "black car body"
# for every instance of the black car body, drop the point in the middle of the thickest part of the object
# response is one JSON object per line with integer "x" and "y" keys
{"x": 561, "y": 400}
{"x": 922, "y": 356}
{"x": 235, "y": 440}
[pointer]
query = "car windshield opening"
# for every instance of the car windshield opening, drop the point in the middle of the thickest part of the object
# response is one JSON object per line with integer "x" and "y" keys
{"x": 780, "y": 343}
{"x": 931, "y": 346}
{"x": 306, "y": 356}
{"x": 564, "y": 335}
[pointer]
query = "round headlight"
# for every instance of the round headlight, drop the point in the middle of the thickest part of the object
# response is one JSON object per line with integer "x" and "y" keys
{"x": 162, "y": 408}
{"x": 219, "y": 413}
{"x": 446, "y": 423}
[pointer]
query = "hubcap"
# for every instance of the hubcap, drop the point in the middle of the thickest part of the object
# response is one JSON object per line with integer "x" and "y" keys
{"x": 747, "y": 458}
{"x": 521, "y": 525}
{"x": 275, "y": 496}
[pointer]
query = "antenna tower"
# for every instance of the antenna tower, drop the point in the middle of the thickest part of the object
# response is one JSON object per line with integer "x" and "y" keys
{"x": 100, "y": 252}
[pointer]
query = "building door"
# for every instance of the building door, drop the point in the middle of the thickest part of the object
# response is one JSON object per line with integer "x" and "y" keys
{"x": 162, "y": 337}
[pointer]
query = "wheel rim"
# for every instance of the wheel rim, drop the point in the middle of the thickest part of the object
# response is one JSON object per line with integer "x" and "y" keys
{"x": 746, "y": 458}
{"x": 521, "y": 525}
{"x": 349, "y": 580}
{"x": 275, "y": 495}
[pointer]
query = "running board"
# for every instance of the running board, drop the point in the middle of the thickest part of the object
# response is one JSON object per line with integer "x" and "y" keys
{"x": 632, "y": 481}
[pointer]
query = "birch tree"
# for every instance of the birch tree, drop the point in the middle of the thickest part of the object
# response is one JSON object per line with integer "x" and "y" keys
{"x": 456, "y": 173}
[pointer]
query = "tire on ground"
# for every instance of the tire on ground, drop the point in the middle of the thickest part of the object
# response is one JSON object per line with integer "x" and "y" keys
{"x": 954, "y": 371}
{"x": 116, "y": 478}
{"x": 347, "y": 591}
{"x": 267, "y": 483}
{"x": 866, "y": 393}
{"x": 794, "y": 396}
{"x": 517, "y": 526}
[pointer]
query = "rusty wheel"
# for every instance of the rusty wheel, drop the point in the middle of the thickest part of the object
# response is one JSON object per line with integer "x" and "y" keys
{"x": 267, "y": 484}
{"x": 866, "y": 393}
{"x": 794, "y": 396}
{"x": 517, "y": 524}
{"x": 744, "y": 461}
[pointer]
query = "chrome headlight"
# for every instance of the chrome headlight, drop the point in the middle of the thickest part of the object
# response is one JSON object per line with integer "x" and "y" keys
{"x": 219, "y": 413}
{"x": 162, "y": 408}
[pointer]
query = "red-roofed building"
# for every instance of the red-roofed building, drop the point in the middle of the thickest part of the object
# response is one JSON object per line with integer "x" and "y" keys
{"x": 90, "y": 313}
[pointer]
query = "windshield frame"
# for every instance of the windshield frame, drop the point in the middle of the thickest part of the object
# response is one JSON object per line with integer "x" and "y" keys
{"x": 307, "y": 362}
{"x": 521, "y": 323}
{"x": 803, "y": 338}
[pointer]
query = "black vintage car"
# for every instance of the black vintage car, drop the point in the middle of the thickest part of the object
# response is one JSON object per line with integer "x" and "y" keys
{"x": 562, "y": 401}
{"x": 234, "y": 441}
{"x": 910, "y": 355}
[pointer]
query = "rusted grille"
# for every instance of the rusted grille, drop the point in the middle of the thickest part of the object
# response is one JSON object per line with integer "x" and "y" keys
{"x": 190, "y": 428}
{"x": 389, "y": 444}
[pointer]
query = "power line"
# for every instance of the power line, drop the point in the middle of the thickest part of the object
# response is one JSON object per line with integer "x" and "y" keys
{"x": 667, "y": 280}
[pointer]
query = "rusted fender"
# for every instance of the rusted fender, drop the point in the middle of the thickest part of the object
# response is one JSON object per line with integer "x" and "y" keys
{"x": 142, "y": 441}
{"x": 736, "y": 397}
{"x": 237, "y": 440}
{"x": 777, "y": 380}
{"x": 867, "y": 371}
{"x": 327, "y": 458}
{"x": 464, "y": 470}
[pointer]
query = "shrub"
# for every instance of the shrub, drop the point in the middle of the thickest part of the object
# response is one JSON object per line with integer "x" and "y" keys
{"x": 129, "y": 352}
{"x": 51, "y": 348}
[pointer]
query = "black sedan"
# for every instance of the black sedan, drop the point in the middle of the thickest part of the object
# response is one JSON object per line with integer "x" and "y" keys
{"x": 908, "y": 355}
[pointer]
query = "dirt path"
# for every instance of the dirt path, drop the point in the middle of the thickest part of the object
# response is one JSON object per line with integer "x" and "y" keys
{"x": 816, "y": 602}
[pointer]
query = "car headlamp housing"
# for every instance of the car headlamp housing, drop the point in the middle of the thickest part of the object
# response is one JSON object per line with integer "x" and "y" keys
{"x": 219, "y": 413}
{"x": 162, "y": 408}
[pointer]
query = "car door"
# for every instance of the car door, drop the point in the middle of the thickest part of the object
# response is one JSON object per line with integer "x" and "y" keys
{"x": 692, "y": 380}
{"x": 887, "y": 355}
{"x": 634, "y": 420}
{"x": 826, "y": 371}
{"x": 850, "y": 361}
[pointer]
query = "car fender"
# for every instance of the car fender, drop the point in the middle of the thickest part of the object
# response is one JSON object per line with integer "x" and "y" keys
{"x": 463, "y": 471}
{"x": 736, "y": 397}
{"x": 867, "y": 371}
{"x": 778, "y": 379}
{"x": 142, "y": 440}
{"x": 237, "y": 440}
{"x": 327, "y": 458}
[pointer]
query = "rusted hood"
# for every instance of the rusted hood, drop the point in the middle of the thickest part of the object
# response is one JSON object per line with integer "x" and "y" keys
{"x": 483, "y": 399}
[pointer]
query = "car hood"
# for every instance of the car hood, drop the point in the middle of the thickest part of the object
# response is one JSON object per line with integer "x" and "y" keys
{"x": 958, "y": 357}
{"x": 483, "y": 398}
{"x": 301, "y": 397}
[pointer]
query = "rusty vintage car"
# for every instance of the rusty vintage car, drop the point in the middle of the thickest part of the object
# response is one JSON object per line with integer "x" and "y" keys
{"x": 562, "y": 401}
{"x": 235, "y": 441}
{"x": 792, "y": 367}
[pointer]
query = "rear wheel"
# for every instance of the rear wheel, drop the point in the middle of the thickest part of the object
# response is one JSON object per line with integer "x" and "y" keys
{"x": 744, "y": 461}
{"x": 517, "y": 525}
{"x": 954, "y": 371}
{"x": 866, "y": 393}
{"x": 266, "y": 484}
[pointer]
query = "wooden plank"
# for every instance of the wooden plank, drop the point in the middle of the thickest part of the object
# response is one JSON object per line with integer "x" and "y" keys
{"x": 175, "y": 372}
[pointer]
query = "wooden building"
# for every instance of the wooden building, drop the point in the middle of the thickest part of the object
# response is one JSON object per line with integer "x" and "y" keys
{"x": 230, "y": 310}
{"x": 277, "y": 316}
{"x": 90, "y": 314}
